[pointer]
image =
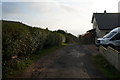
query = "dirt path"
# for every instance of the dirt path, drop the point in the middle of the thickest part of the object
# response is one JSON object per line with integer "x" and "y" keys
{"x": 72, "y": 61}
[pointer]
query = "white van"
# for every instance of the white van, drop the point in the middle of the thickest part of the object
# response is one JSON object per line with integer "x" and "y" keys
{"x": 111, "y": 39}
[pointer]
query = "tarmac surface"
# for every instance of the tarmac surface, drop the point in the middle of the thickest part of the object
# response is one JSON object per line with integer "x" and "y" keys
{"x": 72, "y": 61}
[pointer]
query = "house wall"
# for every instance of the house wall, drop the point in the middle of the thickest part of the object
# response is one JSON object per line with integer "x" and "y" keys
{"x": 95, "y": 26}
{"x": 94, "y": 23}
{"x": 103, "y": 32}
{"x": 99, "y": 33}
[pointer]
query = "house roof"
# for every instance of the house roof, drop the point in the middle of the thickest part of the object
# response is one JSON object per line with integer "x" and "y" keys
{"x": 92, "y": 30}
{"x": 107, "y": 21}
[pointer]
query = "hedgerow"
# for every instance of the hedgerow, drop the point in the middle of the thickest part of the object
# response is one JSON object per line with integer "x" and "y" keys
{"x": 21, "y": 40}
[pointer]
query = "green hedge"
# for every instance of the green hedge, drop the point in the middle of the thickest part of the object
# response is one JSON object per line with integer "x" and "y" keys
{"x": 22, "y": 40}
{"x": 68, "y": 37}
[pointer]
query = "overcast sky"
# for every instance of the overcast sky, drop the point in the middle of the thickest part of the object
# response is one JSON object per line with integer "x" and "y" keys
{"x": 71, "y": 15}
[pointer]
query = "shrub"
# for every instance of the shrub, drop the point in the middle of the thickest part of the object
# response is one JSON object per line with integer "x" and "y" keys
{"x": 22, "y": 41}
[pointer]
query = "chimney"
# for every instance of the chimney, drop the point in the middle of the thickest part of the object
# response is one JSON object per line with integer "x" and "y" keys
{"x": 105, "y": 11}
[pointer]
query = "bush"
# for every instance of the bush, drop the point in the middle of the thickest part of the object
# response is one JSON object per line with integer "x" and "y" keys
{"x": 68, "y": 37}
{"x": 22, "y": 41}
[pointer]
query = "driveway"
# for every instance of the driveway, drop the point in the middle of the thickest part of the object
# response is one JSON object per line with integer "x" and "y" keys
{"x": 72, "y": 61}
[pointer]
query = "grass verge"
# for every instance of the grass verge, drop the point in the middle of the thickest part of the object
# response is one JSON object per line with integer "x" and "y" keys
{"x": 105, "y": 67}
{"x": 21, "y": 65}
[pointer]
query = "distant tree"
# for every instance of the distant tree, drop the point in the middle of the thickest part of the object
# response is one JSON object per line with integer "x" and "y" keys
{"x": 61, "y": 31}
{"x": 46, "y": 28}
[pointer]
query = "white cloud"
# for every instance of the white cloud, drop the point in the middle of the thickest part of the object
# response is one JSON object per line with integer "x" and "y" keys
{"x": 26, "y": 0}
{"x": 0, "y": 11}
{"x": 71, "y": 15}
{"x": 109, "y": 5}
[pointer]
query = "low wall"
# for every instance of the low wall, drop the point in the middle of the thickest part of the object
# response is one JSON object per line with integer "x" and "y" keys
{"x": 112, "y": 55}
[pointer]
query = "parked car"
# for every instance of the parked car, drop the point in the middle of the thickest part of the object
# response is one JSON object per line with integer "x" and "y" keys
{"x": 111, "y": 39}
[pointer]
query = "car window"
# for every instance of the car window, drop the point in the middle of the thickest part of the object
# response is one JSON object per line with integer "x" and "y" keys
{"x": 109, "y": 35}
{"x": 116, "y": 37}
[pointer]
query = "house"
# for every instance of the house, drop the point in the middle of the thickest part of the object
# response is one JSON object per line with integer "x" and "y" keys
{"x": 88, "y": 37}
{"x": 104, "y": 22}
